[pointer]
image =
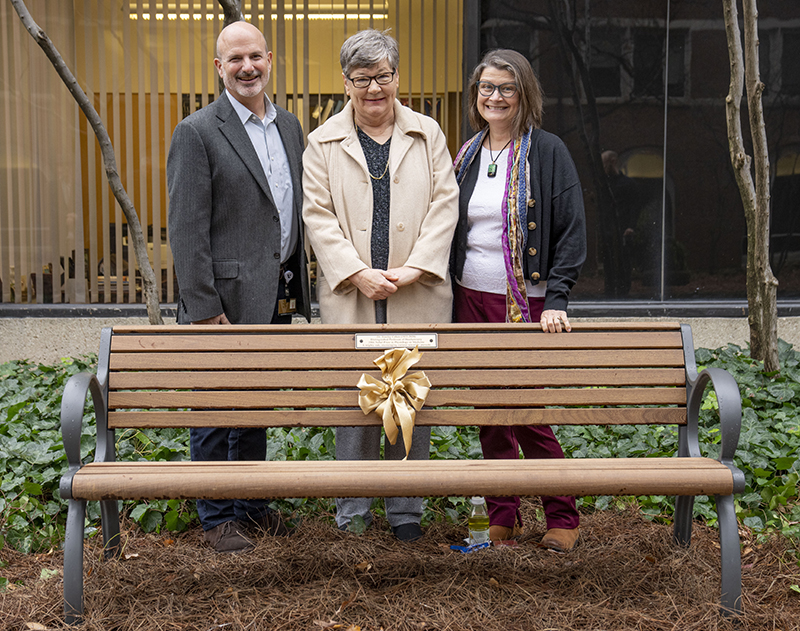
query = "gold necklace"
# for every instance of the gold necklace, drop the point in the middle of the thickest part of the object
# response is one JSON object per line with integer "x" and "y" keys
{"x": 385, "y": 169}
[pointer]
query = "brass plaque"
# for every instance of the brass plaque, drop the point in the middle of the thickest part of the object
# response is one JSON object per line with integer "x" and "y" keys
{"x": 397, "y": 340}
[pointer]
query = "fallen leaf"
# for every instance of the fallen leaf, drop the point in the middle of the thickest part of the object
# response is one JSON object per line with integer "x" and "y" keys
{"x": 46, "y": 574}
{"x": 169, "y": 542}
{"x": 493, "y": 582}
{"x": 364, "y": 566}
{"x": 331, "y": 624}
{"x": 345, "y": 603}
{"x": 131, "y": 556}
{"x": 35, "y": 626}
{"x": 649, "y": 558}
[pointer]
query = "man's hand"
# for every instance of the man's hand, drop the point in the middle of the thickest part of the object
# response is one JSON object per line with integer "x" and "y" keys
{"x": 220, "y": 319}
{"x": 405, "y": 275}
{"x": 552, "y": 321}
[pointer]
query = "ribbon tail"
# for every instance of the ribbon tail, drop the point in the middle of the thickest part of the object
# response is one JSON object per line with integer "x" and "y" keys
{"x": 389, "y": 425}
{"x": 405, "y": 418}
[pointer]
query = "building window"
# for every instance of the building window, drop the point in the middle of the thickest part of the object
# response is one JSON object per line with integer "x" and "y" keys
{"x": 790, "y": 69}
{"x": 605, "y": 66}
{"x": 146, "y": 66}
{"x": 648, "y": 62}
{"x": 784, "y": 232}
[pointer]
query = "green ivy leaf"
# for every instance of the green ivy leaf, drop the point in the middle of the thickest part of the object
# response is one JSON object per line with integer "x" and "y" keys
{"x": 32, "y": 488}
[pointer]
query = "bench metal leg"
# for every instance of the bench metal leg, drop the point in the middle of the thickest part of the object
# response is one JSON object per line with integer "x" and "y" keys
{"x": 682, "y": 526}
{"x": 109, "y": 514}
{"x": 731, "y": 555}
{"x": 73, "y": 562}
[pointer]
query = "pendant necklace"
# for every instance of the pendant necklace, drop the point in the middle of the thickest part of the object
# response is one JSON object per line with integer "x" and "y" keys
{"x": 492, "y": 170}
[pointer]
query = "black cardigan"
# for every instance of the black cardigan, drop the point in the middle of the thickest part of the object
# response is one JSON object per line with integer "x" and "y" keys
{"x": 556, "y": 245}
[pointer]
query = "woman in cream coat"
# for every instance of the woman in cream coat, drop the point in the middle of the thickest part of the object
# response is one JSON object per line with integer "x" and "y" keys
{"x": 380, "y": 208}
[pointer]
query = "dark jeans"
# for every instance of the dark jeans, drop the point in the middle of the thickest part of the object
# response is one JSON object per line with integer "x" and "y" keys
{"x": 232, "y": 443}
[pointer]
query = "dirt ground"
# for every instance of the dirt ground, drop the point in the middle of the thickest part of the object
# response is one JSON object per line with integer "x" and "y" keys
{"x": 625, "y": 574}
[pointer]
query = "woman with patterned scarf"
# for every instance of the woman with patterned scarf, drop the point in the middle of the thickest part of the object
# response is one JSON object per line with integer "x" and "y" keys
{"x": 519, "y": 246}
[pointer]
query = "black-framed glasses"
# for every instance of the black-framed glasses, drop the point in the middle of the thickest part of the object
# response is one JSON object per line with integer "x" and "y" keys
{"x": 384, "y": 78}
{"x": 507, "y": 90}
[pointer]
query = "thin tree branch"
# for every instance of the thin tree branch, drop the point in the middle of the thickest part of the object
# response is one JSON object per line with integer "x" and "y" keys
{"x": 232, "y": 10}
{"x": 109, "y": 160}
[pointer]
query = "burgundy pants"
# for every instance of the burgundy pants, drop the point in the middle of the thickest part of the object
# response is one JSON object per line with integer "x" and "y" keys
{"x": 503, "y": 442}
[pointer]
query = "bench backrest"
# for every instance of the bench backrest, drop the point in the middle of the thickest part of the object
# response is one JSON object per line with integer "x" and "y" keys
{"x": 481, "y": 374}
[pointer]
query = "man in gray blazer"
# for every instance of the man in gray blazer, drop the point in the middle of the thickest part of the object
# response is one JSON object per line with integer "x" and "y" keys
{"x": 234, "y": 174}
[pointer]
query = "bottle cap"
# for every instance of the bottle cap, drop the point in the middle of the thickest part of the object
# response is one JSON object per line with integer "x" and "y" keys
{"x": 477, "y": 499}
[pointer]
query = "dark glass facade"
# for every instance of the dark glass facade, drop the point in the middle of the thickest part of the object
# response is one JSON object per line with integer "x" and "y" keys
{"x": 636, "y": 89}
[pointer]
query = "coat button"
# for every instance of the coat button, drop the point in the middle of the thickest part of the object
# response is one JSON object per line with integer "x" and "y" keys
{"x": 531, "y": 203}
{"x": 532, "y": 251}
{"x": 277, "y": 255}
{"x": 535, "y": 276}
{"x": 276, "y": 220}
{"x": 396, "y": 180}
{"x": 532, "y": 225}
{"x": 401, "y": 226}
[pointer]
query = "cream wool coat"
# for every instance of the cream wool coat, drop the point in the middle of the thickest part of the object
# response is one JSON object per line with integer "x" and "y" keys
{"x": 337, "y": 211}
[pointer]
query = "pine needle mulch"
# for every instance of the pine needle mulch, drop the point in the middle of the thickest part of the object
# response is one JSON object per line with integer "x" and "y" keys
{"x": 625, "y": 574}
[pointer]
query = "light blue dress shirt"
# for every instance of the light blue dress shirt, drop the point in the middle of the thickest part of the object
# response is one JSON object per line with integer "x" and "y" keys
{"x": 269, "y": 147}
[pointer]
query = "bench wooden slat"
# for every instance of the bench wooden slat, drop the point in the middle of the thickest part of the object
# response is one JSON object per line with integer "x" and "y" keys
{"x": 198, "y": 329}
{"x": 518, "y": 397}
{"x": 345, "y": 342}
{"x": 279, "y": 329}
{"x": 192, "y": 480}
{"x": 427, "y": 417}
{"x": 212, "y": 380}
{"x": 364, "y": 360}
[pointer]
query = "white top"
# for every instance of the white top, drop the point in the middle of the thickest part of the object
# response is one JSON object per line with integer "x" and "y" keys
{"x": 484, "y": 267}
{"x": 267, "y": 142}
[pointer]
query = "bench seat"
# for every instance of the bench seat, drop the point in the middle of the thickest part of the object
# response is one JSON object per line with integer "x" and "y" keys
{"x": 254, "y": 480}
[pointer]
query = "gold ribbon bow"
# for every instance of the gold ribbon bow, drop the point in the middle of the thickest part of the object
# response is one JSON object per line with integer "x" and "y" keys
{"x": 397, "y": 398}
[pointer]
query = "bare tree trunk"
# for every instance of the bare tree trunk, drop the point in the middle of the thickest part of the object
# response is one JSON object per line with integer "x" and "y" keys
{"x": 762, "y": 286}
{"x": 134, "y": 227}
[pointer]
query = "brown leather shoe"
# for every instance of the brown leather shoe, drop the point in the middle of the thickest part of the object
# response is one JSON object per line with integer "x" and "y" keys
{"x": 504, "y": 533}
{"x": 228, "y": 537}
{"x": 272, "y": 523}
{"x": 561, "y": 539}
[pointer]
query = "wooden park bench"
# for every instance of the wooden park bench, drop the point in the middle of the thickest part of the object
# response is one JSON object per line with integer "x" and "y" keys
{"x": 481, "y": 374}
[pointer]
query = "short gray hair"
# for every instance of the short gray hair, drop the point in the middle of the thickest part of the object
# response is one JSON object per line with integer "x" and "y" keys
{"x": 368, "y": 48}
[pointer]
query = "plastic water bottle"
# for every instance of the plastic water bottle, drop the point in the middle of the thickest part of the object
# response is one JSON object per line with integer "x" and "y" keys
{"x": 478, "y": 521}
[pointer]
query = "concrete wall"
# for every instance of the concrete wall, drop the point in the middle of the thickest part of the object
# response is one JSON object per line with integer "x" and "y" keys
{"x": 46, "y": 340}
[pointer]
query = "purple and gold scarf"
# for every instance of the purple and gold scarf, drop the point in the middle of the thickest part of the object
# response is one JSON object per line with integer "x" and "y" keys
{"x": 515, "y": 231}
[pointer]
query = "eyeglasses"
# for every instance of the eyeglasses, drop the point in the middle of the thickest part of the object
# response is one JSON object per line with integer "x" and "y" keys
{"x": 385, "y": 78}
{"x": 507, "y": 90}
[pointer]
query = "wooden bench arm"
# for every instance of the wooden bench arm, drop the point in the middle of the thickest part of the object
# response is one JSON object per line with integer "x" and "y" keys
{"x": 730, "y": 415}
{"x": 72, "y": 404}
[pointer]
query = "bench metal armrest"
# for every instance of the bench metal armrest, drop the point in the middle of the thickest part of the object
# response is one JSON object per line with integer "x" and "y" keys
{"x": 730, "y": 416}
{"x": 72, "y": 404}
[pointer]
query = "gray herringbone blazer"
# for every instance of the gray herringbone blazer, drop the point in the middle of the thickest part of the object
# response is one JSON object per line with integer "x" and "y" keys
{"x": 224, "y": 226}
